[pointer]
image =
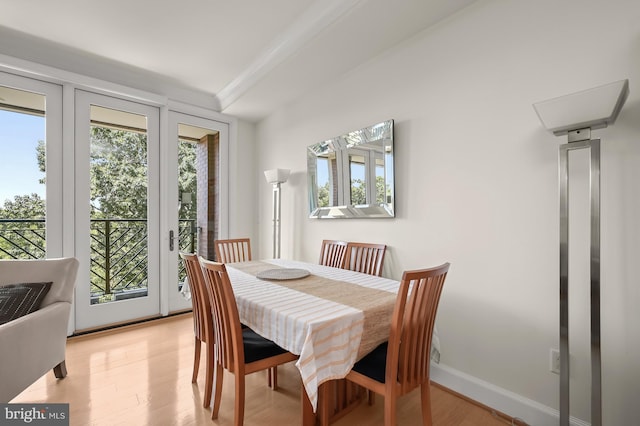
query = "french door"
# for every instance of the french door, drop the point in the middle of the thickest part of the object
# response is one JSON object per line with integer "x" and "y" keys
{"x": 117, "y": 218}
{"x": 97, "y": 193}
{"x": 195, "y": 190}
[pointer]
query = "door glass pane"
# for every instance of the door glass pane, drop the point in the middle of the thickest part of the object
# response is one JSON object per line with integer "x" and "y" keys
{"x": 22, "y": 167}
{"x": 187, "y": 196}
{"x": 193, "y": 150}
{"x": 118, "y": 205}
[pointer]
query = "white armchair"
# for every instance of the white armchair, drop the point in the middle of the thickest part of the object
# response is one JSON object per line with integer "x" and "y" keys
{"x": 35, "y": 343}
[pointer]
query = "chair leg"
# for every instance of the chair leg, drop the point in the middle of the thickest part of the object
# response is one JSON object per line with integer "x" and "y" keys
{"x": 60, "y": 370}
{"x": 425, "y": 392}
{"x": 218, "y": 371}
{"x": 196, "y": 361}
{"x": 389, "y": 410}
{"x": 274, "y": 379}
{"x": 239, "y": 409}
{"x": 208, "y": 387}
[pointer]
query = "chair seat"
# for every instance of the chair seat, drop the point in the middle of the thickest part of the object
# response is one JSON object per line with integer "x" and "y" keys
{"x": 257, "y": 347}
{"x": 374, "y": 364}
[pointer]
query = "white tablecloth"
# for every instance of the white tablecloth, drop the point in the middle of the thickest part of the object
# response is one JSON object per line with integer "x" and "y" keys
{"x": 325, "y": 332}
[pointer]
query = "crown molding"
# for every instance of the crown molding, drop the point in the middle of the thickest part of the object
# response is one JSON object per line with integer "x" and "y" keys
{"x": 312, "y": 22}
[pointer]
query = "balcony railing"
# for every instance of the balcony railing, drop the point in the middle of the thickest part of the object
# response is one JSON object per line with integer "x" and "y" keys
{"x": 119, "y": 254}
{"x": 22, "y": 238}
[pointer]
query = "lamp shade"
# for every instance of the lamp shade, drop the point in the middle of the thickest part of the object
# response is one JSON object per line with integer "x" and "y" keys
{"x": 277, "y": 175}
{"x": 594, "y": 108}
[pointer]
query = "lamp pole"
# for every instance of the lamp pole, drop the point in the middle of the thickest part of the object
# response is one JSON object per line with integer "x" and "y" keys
{"x": 276, "y": 220}
{"x": 276, "y": 177}
{"x": 593, "y": 145}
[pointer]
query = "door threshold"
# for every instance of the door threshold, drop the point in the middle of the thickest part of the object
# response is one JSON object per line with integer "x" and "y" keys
{"x": 119, "y": 326}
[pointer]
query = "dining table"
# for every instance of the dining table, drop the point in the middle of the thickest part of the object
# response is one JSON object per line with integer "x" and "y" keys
{"x": 330, "y": 317}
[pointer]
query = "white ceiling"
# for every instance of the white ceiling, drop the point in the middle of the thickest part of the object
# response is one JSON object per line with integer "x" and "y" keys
{"x": 248, "y": 56}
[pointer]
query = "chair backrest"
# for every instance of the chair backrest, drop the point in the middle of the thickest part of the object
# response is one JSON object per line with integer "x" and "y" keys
{"x": 226, "y": 320}
{"x": 409, "y": 350}
{"x": 202, "y": 323}
{"x": 364, "y": 257}
{"x": 233, "y": 250}
{"x": 332, "y": 253}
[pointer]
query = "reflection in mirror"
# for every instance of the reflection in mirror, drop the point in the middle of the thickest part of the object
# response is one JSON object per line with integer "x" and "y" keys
{"x": 351, "y": 176}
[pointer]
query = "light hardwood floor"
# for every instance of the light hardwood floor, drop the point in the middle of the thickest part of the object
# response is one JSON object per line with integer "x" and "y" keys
{"x": 141, "y": 375}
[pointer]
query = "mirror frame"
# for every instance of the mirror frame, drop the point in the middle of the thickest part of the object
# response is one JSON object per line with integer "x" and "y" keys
{"x": 371, "y": 144}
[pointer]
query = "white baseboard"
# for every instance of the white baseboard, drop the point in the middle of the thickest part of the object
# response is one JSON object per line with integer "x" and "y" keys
{"x": 516, "y": 406}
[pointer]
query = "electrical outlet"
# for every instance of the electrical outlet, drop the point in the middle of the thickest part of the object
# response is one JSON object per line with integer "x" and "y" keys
{"x": 554, "y": 361}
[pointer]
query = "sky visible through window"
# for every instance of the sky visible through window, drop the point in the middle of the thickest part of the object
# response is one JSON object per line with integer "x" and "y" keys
{"x": 19, "y": 173}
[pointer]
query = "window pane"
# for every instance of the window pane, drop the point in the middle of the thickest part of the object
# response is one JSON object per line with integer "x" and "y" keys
{"x": 22, "y": 173}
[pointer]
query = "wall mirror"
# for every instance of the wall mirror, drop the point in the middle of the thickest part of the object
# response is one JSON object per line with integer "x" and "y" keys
{"x": 351, "y": 176}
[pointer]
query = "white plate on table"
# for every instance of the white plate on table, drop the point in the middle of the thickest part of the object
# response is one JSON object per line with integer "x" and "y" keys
{"x": 282, "y": 274}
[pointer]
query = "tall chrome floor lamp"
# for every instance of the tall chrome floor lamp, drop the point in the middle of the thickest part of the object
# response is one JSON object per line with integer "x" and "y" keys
{"x": 576, "y": 115}
{"x": 276, "y": 177}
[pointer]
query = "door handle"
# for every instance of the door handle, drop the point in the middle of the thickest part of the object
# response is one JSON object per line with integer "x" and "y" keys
{"x": 171, "y": 240}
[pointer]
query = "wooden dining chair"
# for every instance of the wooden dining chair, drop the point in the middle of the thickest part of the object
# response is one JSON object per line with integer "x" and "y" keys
{"x": 332, "y": 253}
{"x": 233, "y": 250}
{"x": 239, "y": 250}
{"x": 240, "y": 351}
{"x": 202, "y": 322}
{"x": 364, "y": 257}
{"x": 401, "y": 364}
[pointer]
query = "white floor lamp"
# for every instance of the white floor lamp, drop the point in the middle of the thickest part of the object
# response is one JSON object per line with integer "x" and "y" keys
{"x": 575, "y": 115}
{"x": 276, "y": 177}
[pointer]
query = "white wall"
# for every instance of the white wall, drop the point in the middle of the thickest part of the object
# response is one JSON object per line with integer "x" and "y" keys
{"x": 243, "y": 174}
{"x": 476, "y": 185}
